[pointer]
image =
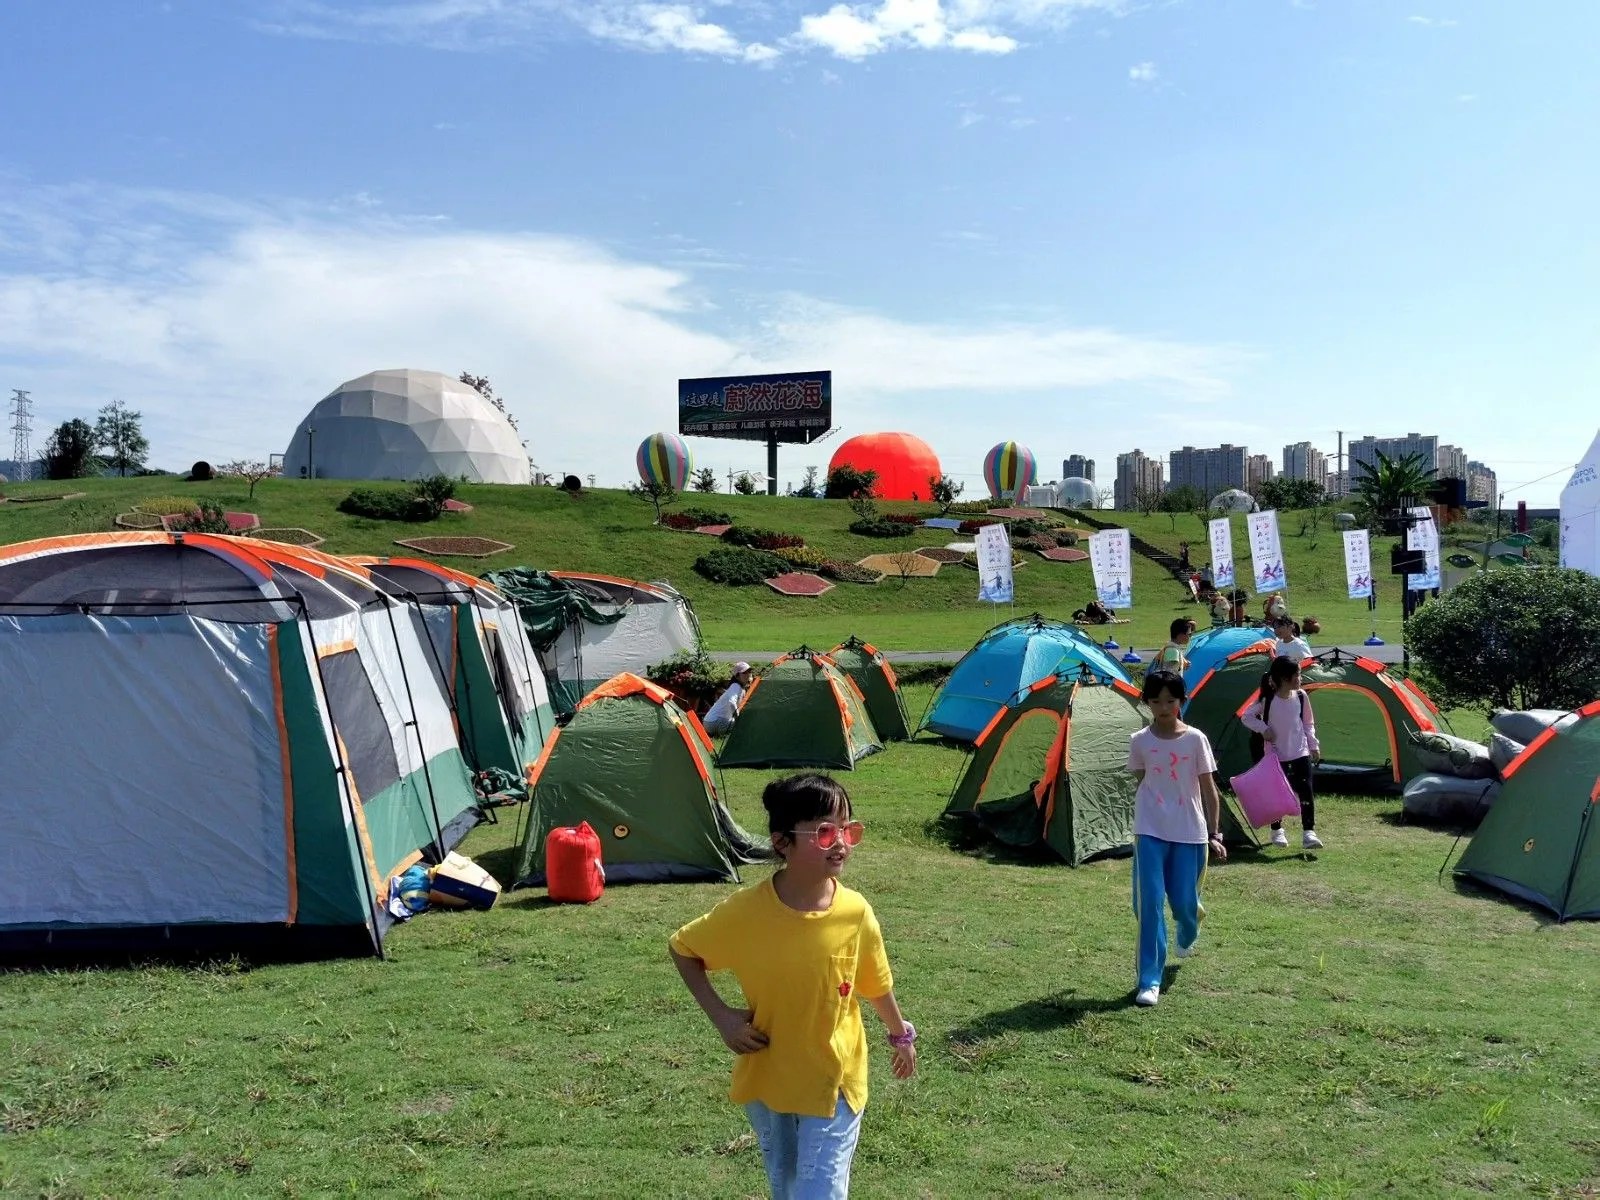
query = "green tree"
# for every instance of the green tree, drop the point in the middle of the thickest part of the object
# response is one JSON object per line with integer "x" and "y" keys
{"x": 252, "y": 471}
{"x": 744, "y": 483}
{"x": 705, "y": 480}
{"x": 944, "y": 492}
{"x": 1521, "y": 637}
{"x": 1288, "y": 495}
{"x": 657, "y": 495}
{"x": 118, "y": 436}
{"x": 1392, "y": 483}
{"x": 69, "y": 451}
{"x": 808, "y": 489}
{"x": 847, "y": 483}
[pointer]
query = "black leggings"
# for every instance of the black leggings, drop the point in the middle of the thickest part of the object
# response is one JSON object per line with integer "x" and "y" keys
{"x": 1299, "y": 773}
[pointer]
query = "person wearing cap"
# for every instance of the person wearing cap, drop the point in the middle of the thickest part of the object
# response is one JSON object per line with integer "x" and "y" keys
{"x": 726, "y": 710}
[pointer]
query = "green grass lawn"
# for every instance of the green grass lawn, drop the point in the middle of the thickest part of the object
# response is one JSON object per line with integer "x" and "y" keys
{"x": 1351, "y": 1027}
{"x": 608, "y": 532}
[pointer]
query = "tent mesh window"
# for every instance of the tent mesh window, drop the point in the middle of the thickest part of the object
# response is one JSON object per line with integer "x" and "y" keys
{"x": 360, "y": 724}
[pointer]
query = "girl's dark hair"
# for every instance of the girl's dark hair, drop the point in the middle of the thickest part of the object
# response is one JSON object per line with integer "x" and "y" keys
{"x": 1181, "y": 626}
{"x": 1281, "y": 671}
{"x": 802, "y": 798}
{"x": 1169, "y": 682}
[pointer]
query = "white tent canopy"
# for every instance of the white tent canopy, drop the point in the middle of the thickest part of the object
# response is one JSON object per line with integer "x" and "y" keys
{"x": 1580, "y": 531}
{"x": 1233, "y": 500}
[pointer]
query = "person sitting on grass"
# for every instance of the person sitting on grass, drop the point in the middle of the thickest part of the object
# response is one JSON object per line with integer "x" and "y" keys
{"x": 1290, "y": 644}
{"x": 1282, "y": 716}
{"x": 805, "y": 950}
{"x": 1172, "y": 657}
{"x": 1093, "y": 613}
{"x": 1176, "y": 816}
{"x": 725, "y": 711}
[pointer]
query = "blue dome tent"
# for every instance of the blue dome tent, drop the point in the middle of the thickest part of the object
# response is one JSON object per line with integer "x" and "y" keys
{"x": 1005, "y": 663}
{"x": 1209, "y": 650}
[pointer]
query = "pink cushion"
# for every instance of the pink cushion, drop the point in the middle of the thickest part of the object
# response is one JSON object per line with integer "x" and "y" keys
{"x": 1264, "y": 793}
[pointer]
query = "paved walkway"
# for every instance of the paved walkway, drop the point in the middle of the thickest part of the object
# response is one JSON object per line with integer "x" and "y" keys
{"x": 1389, "y": 654}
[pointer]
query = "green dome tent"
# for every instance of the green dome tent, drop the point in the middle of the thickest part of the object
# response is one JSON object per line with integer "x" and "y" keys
{"x": 639, "y": 770}
{"x": 1052, "y": 768}
{"x": 1539, "y": 842}
{"x": 802, "y": 711}
{"x": 866, "y": 665}
{"x": 1365, "y": 718}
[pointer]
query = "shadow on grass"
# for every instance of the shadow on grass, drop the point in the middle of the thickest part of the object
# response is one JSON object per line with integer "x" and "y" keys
{"x": 1041, "y": 1015}
{"x": 967, "y": 837}
{"x": 1470, "y": 889}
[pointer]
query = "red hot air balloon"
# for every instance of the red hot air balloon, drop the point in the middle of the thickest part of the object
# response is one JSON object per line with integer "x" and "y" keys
{"x": 904, "y": 463}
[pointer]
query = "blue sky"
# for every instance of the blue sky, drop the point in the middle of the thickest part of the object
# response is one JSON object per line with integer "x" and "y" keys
{"x": 1083, "y": 224}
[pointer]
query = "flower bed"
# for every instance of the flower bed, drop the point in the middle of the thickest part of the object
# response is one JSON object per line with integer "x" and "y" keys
{"x": 1064, "y": 554}
{"x": 799, "y": 583}
{"x": 882, "y": 527}
{"x": 760, "y": 539}
{"x": 977, "y": 523}
{"x": 971, "y": 560}
{"x": 289, "y": 536}
{"x": 456, "y": 547}
{"x": 802, "y": 556}
{"x": 137, "y": 520}
{"x": 738, "y": 566}
{"x": 846, "y": 572}
{"x": 940, "y": 555}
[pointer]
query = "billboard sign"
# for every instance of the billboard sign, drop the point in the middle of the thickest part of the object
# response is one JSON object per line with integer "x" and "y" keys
{"x": 794, "y": 406}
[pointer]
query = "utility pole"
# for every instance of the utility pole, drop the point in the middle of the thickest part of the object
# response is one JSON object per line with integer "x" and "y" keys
{"x": 21, "y": 433}
{"x": 1344, "y": 483}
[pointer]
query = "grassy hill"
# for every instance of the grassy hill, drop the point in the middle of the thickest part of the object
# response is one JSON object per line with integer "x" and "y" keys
{"x": 608, "y": 531}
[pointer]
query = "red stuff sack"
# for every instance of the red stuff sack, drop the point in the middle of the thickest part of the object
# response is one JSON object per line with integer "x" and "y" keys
{"x": 572, "y": 865}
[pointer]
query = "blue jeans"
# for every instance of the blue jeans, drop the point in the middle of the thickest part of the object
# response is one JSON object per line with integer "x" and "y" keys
{"x": 1165, "y": 873}
{"x": 808, "y": 1158}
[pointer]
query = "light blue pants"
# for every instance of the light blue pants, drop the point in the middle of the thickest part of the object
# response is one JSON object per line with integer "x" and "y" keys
{"x": 1165, "y": 873}
{"x": 808, "y": 1158}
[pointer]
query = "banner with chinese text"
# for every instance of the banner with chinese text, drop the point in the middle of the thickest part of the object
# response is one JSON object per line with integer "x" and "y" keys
{"x": 1222, "y": 577}
{"x": 1111, "y": 558}
{"x": 994, "y": 564}
{"x": 1266, "y": 552}
{"x": 1358, "y": 563}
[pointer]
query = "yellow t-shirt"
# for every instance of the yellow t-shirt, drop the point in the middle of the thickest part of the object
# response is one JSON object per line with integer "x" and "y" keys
{"x": 802, "y": 974}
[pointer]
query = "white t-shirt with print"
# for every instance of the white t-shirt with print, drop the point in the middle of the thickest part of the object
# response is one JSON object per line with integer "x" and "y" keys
{"x": 1168, "y": 804}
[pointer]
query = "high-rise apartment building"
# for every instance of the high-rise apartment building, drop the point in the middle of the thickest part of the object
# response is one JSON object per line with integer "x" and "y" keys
{"x": 1304, "y": 461}
{"x": 1482, "y": 484}
{"x": 1257, "y": 470}
{"x": 1137, "y": 474}
{"x": 1364, "y": 451}
{"x": 1212, "y": 470}
{"x": 1076, "y": 466}
{"x": 1452, "y": 463}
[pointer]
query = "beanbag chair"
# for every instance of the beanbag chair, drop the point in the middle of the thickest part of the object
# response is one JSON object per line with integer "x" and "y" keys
{"x": 1524, "y": 726}
{"x": 1449, "y": 799}
{"x": 1502, "y": 750}
{"x": 1445, "y": 755}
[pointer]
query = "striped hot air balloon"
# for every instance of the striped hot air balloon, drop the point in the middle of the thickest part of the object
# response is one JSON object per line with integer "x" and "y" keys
{"x": 1007, "y": 469}
{"x": 663, "y": 458}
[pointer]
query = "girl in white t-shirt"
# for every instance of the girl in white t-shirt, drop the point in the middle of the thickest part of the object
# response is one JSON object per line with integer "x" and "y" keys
{"x": 1175, "y": 822}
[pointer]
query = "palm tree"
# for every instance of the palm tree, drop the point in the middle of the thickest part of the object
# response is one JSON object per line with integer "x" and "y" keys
{"x": 1393, "y": 483}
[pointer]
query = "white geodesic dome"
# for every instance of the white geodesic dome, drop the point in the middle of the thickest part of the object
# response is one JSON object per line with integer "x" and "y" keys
{"x": 1233, "y": 500}
{"x": 1077, "y": 493}
{"x": 406, "y": 425}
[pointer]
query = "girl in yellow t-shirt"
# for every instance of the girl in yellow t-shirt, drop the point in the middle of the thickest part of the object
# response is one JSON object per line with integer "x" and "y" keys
{"x": 804, "y": 949}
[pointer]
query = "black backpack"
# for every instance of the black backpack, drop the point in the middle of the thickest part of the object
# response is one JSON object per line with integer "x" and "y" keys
{"x": 1258, "y": 744}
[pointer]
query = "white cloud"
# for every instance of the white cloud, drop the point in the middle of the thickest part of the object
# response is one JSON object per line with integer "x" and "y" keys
{"x": 856, "y": 32}
{"x": 1144, "y": 72}
{"x": 851, "y": 31}
{"x": 224, "y": 330}
{"x": 1432, "y": 22}
{"x": 675, "y": 27}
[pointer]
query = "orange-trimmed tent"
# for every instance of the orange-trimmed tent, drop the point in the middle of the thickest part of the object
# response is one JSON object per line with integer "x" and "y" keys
{"x": 1052, "y": 768}
{"x": 639, "y": 769}
{"x": 1365, "y": 717}
{"x": 866, "y": 665}
{"x": 802, "y": 711}
{"x": 1540, "y": 841}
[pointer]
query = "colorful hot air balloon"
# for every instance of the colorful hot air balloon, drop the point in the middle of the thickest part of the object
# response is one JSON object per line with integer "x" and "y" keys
{"x": 904, "y": 463}
{"x": 664, "y": 458}
{"x": 1007, "y": 469}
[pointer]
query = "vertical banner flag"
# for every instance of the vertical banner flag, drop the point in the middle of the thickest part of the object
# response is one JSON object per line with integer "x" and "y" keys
{"x": 1266, "y": 552}
{"x": 1358, "y": 563}
{"x": 994, "y": 564}
{"x": 1424, "y": 536}
{"x": 1111, "y": 558}
{"x": 1221, "y": 553}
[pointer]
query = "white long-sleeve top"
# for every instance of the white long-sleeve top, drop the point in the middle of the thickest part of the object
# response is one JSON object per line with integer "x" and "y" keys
{"x": 1293, "y": 737}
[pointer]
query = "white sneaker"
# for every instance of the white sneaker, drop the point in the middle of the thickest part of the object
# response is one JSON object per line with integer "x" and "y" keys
{"x": 1310, "y": 841}
{"x": 1280, "y": 837}
{"x": 1186, "y": 951}
{"x": 1148, "y": 997}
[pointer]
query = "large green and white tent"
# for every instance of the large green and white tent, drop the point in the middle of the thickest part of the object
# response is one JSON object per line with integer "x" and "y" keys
{"x": 481, "y": 655}
{"x": 639, "y": 770}
{"x": 1539, "y": 842}
{"x": 225, "y": 743}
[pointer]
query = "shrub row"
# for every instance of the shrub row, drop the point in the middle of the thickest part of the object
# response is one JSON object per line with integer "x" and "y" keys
{"x": 738, "y": 566}
{"x": 802, "y": 556}
{"x": 977, "y": 523}
{"x": 847, "y": 572}
{"x": 760, "y": 539}
{"x": 881, "y": 527}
